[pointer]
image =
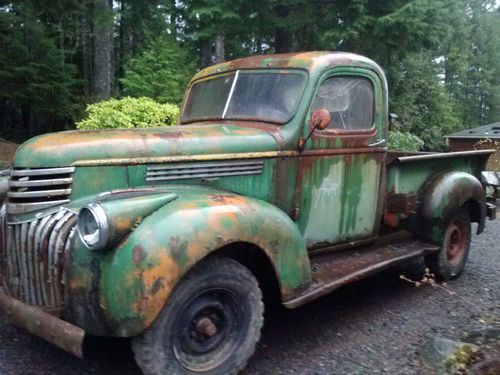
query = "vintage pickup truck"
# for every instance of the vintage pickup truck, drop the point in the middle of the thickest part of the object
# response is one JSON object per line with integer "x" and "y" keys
{"x": 276, "y": 185}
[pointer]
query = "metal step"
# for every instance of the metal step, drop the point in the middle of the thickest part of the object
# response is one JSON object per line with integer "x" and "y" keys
{"x": 334, "y": 270}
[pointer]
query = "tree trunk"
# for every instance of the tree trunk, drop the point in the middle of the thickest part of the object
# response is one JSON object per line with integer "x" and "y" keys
{"x": 120, "y": 60}
{"x": 103, "y": 49}
{"x": 87, "y": 43}
{"x": 174, "y": 15}
{"x": 282, "y": 34}
{"x": 219, "y": 49}
{"x": 205, "y": 53}
{"x": 281, "y": 40}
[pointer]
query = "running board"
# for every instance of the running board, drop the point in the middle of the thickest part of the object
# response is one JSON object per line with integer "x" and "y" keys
{"x": 334, "y": 270}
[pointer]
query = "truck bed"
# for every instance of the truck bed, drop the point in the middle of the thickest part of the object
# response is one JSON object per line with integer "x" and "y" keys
{"x": 408, "y": 171}
{"x": 406, "y": 156}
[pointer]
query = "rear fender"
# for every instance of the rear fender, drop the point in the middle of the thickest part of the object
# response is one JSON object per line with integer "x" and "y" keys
{"x": 138, "y": 277}
{"x": 444, "y": 196}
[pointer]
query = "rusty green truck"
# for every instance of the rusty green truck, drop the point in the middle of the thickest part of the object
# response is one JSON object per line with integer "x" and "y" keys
{"x": 277, "y": 183}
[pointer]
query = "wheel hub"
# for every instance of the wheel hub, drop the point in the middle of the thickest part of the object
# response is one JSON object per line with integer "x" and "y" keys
{"x": 456, "y": 243}
{"x": 208, "y": 330}
{"x": 206, "y": 327}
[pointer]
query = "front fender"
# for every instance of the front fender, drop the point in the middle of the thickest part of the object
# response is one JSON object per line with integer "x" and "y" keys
{"x": 445, "y": 195}
{"x": 137, "y": 277}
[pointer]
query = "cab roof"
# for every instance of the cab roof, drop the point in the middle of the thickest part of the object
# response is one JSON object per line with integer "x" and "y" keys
{"x": 313, "y": 62}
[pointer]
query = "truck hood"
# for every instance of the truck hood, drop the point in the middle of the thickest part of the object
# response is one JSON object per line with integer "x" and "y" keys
{"x": 139, "y": 145}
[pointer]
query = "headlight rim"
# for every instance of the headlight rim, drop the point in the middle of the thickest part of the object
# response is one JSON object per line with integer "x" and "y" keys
{"x": 101, "y": 218}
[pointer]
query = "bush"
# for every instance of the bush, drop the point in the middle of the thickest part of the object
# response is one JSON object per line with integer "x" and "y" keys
{"x": 404, "y": 141}
{"x": 128, "y": 113}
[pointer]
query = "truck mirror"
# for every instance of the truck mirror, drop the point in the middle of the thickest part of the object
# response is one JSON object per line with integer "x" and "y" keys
{"x": 320, "y": 119}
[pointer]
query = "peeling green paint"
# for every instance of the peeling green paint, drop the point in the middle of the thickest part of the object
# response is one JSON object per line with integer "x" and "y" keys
{"x": 181, "y": 233}
{"x": 330, "y": 192}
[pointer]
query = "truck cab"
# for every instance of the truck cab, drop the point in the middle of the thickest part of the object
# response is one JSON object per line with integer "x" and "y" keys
{"x": 276, "y": 184}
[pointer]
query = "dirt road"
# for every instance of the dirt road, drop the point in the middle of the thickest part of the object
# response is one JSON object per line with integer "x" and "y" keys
{"x": 373, "y": 327}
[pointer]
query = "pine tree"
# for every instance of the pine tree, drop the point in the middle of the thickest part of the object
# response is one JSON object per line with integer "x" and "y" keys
{"x": 161, "y": 72}
{"x": 37, "y": 86}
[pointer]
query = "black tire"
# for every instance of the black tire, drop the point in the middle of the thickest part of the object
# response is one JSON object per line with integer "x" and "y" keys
{"x": 209, "y": 325}
{"x": 450, "y": 261}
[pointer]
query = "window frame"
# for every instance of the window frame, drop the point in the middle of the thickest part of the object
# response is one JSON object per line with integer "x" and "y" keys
{"x": 328, "y": 132}
{"x": 300, "y": 99}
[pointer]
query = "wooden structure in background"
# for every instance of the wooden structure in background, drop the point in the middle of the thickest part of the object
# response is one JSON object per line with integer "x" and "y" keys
{"x": 480, "y": 138}
{"x": 7, "y": 150}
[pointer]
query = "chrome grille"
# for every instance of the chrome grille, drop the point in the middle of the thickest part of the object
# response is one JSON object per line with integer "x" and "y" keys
{"x": 36, "y": 189}
{"x": 32, "y": 256}
{"x": 184, "y": 171}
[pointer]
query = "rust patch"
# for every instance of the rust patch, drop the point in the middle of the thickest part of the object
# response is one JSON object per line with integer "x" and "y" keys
{"x": 138, "y": 254}
{"x": 298, "y": 60}
{"x": 123, "y": 224}
{"x": 60, "y": 333}
{"x": 167, "y": 270}
{"x": 226, "y": 198}
{"x": 171, "y": 135}
{"x": 157, "y": 285}
{"x": 271, "y": 129}
{"x": 332, "y": 271}
{"x": 402, "y": 203}
{"x": 340, "y": 151}
{"x": 391, "y": 219}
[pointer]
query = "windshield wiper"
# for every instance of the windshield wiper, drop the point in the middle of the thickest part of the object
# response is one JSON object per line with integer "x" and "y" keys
{"x": 230, "y": 93}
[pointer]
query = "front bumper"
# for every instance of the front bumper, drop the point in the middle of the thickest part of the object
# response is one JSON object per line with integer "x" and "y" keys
{"x": 57, "y": 331}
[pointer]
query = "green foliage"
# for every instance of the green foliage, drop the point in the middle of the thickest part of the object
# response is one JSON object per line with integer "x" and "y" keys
{"x": 461, "y": 360}
{"x": 161, "y": 72}
{"x": 404, "y": 141}
{"x": 422, "y": 103}
{"x": 37, "y": 86}
{"x": 441, "y": 57}
{"x": 477, "y": 84}
{"x": 128, "y": 113}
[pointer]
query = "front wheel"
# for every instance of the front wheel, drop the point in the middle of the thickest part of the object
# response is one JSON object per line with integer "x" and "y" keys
{"x": 209, "y": 325}
{"x": 450, "y": 261}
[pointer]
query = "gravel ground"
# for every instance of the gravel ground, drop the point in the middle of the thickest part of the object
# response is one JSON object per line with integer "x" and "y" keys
{"x": 373, "y": 327}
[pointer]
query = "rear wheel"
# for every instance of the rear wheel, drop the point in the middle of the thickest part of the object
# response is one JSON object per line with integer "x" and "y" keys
{"x": 451, "y": 259}
{"x": 210, "y": 324}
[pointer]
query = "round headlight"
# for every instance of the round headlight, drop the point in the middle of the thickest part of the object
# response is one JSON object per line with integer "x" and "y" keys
{"x": 93, "y": 227}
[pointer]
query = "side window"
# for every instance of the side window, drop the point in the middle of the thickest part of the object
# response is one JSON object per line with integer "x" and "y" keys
{"x": 349, "y": 101}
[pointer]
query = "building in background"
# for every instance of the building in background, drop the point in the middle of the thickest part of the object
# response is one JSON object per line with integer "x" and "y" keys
{"x": 7, "y": 150}
{"x": 480, "y": 138}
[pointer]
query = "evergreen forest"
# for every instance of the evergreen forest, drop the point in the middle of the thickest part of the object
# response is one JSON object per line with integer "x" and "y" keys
{"x": 441, "y": 57}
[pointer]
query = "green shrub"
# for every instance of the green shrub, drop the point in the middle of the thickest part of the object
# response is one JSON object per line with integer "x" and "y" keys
{"x": 128, "y": 113}
{"x": 404, "y": 141}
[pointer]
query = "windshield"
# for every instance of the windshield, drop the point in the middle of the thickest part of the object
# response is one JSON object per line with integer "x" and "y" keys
{"x": 245, "y": 95}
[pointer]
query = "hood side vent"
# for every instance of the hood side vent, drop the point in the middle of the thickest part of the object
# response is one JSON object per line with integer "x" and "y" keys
{"x": 212, "y": 169}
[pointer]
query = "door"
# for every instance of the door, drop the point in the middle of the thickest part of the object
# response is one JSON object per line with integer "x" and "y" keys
{"x": 340, "y": 170}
